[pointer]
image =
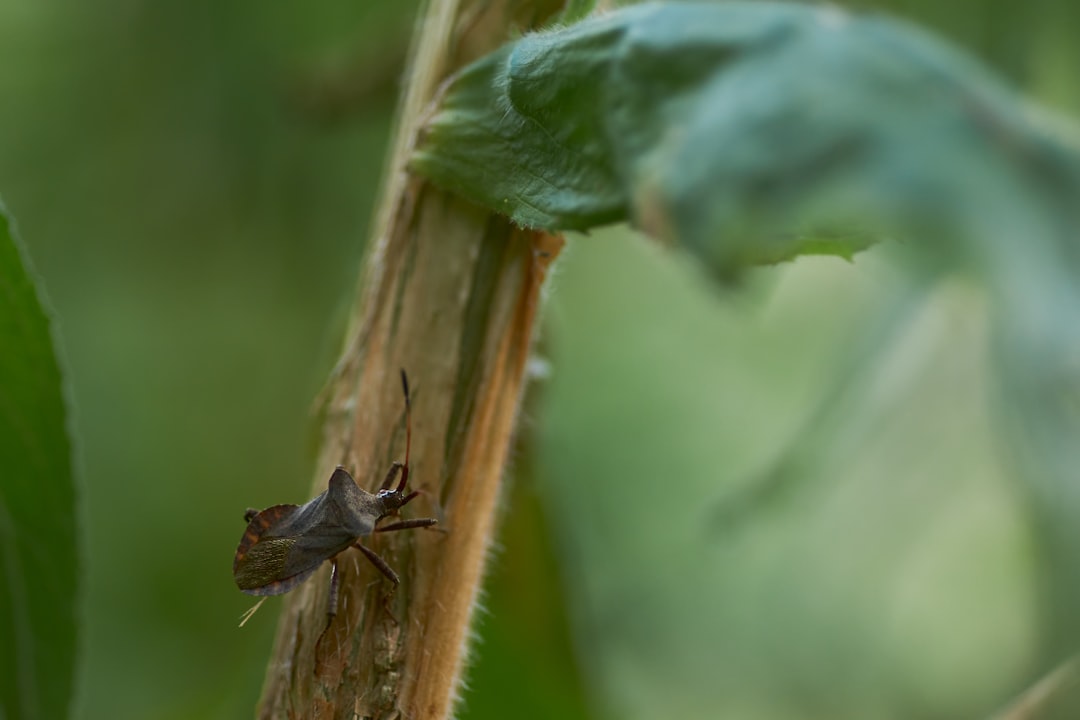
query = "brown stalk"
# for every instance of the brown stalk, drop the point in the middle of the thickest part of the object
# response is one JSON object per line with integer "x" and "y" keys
{"x": 450, "y": 293}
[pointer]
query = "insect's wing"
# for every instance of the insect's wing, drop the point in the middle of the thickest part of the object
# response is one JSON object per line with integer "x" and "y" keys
{"x": 282, "y": 547}
{"x": 259, "y": 572}
{"x": 258, "y": 563}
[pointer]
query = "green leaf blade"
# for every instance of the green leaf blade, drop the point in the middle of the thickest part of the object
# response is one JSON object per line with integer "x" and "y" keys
{"x": 506, "y": 151}
{"x": 38, "y": 555}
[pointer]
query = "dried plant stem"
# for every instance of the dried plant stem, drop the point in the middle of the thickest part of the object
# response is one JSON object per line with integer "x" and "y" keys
{"x": 450, "y": 293}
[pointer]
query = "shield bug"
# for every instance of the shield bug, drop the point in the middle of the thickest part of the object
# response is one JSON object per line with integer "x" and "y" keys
{"x": 284, "y": 544}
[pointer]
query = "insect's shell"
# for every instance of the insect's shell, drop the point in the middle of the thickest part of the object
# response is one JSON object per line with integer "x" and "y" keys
{"x": 284, "y": 544}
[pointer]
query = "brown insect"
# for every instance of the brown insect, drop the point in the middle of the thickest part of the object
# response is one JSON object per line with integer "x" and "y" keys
{"x": 284, "y": 544}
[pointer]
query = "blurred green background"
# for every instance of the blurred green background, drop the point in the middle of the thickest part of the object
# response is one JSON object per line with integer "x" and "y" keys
{"x": 194, "y": 181}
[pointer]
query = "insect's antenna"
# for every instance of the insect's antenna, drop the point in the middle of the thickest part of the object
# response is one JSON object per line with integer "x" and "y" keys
{"x": 408, "y": 431}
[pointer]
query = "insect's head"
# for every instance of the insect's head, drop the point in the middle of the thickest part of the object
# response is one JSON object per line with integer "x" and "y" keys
{"x": 394, "y": 499}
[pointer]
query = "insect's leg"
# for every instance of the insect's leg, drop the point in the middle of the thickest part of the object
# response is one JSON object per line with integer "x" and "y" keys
{"x": 386, "y": 570}
{"x": 379, "y": 564}
{"x": 332, "y": 596}
{"x": 394, "y": 470}
{"x": 406, "y": 524}
{"x": 249, "y": 514}
{"x": 331, "y": 609}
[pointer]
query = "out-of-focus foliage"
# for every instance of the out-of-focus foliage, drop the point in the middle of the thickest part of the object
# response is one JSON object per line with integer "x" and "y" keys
{"x": 38, "y": 558}
{"x": 575, "y": 11}
{"x": 194, "y": 180}
{"x": 810, "y": 588}
{"x": 881, "y": 576}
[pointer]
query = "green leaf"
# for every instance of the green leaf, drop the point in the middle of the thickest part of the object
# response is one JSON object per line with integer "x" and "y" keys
{"x": 38, "y": 558}
{"x": 738, "y": 129}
